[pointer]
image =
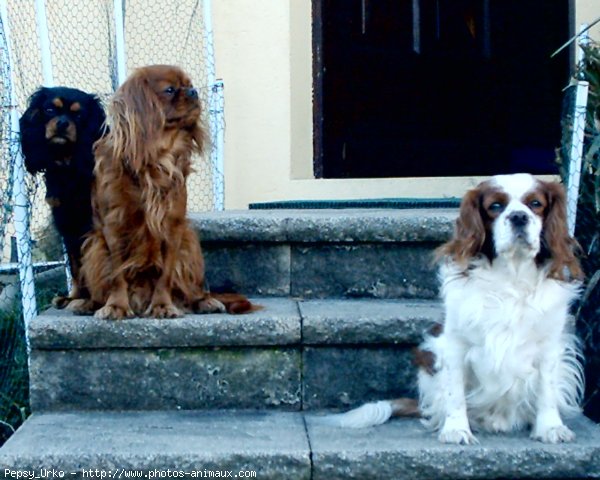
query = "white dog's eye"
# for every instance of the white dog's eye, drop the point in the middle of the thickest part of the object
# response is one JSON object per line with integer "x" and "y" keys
{"x": 535, "y": 204}
{"x": 496, "y": 207}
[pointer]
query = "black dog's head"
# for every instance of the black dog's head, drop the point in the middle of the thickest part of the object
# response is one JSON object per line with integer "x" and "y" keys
{"x": 59, "y": 128}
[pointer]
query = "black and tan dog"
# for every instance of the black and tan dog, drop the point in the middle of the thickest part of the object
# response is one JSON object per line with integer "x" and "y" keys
{"x": 58, "y": 131}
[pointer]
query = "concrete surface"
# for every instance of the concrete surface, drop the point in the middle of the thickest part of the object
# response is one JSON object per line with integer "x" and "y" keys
{"x": 281, "y": 446}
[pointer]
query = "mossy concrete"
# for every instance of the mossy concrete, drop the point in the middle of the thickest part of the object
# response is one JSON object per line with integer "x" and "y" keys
{"x": 290, "y": 355}
{"x": 324, "y": 253}
{"x": 153, "y": 379}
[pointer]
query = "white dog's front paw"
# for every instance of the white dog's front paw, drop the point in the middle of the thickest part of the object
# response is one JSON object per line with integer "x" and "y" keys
{"x": 555, "y": 434}
{"x": 459, "y": 436}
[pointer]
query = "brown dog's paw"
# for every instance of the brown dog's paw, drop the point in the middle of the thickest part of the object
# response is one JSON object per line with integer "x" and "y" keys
{"x": 82, "y": 306}
{"x": 114, "y": 312}
{"x": 208, "y": 305}
{"x": 60, "y": 301}
{"x": 163, "y": 311}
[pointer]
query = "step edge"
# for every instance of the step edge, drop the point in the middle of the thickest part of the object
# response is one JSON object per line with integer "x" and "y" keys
{"x": 308, "y": 226}
{"x": 291, "y": 326}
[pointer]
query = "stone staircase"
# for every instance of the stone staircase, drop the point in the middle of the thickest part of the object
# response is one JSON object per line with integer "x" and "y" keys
{"x": 346, "y": 294}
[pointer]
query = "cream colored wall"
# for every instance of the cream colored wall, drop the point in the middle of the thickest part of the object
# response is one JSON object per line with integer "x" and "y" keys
{"x": 586, "y": 11}
{"x": 264, "y": 55}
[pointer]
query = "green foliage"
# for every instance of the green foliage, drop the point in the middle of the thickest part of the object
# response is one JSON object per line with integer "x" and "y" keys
{"x": 14, "y": 379}
{"x": 14, "y": 375}
{"x": 588, "y": 211}
{"x": 587, "y": 229}
{"x": 590, "y": 71}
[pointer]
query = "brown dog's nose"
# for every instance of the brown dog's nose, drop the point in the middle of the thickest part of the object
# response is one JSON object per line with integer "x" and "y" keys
{"x": 192, "y": 93}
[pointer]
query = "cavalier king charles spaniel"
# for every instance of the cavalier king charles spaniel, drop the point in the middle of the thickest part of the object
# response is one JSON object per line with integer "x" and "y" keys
{"x": 142, "y": 257}
{"x": 58, "y": 131}
{"x": 505, "y": 357}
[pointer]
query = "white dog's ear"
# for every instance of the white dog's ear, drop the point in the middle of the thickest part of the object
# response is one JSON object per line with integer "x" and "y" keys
{"x": 469, "y": 232}
{"x": 558, "y": 245}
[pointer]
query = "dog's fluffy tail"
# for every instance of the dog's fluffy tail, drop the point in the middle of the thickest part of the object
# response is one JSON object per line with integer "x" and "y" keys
{"x": 371, "y": 414}
{"x": 236, "y": 303}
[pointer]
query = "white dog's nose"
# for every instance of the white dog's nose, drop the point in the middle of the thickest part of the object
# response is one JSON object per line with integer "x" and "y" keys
{"x": 518, "y": 219}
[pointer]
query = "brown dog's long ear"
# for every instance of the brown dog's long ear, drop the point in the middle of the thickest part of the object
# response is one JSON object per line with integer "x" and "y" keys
{"x": 557, "y": 244}
{"x": 469, "y": 232}
{"x": 201, "y": 138}
{"x": 137, "y": 120}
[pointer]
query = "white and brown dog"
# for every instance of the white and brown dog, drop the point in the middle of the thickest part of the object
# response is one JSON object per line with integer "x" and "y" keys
{"x": 504, "y": 358}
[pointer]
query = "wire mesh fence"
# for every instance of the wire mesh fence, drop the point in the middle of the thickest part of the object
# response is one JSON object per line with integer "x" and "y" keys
{"x": 81, "y": 36}
{"x": 13, "y": 355}
{"x": 150, "y": 37}
{"x": 581, "y": 133}
{"x": 65, "y": 43}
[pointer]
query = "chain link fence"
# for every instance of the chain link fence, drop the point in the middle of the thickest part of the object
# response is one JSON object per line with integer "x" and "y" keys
{"x": 74, "y": 44}
{"x": 581, "y": 132}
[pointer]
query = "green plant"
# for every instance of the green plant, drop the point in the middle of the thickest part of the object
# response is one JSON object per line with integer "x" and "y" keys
{"x": 587, "y": 229}
{"x": 14, "y": 378}
{"x": 14, "y": 373}
{"x": 589, "y": 70}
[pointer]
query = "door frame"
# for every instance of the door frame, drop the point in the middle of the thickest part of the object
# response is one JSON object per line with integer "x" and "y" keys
{"x": 318, "y": 121}
{"x": 318, "y": 64}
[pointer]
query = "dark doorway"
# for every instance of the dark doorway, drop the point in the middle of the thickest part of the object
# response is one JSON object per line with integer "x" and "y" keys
{"x": 407, "y": 88}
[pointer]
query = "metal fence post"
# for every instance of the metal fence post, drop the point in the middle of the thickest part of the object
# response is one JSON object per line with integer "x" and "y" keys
{"x": 576, "y": 152}
{"x": 120, "y": 41}
{"x": 44, "y": 37}
{"x": 20, "y": 197}
{"x": 216, "y": 112}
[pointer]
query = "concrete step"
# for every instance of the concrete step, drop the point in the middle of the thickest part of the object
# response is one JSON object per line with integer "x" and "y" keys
{"x": 291, "y": 355}
{"x": 324, "y": 253}
{"x": 402, "y": 448}
{"x": 278, "y": 445}
{"x": 274, "y": 445}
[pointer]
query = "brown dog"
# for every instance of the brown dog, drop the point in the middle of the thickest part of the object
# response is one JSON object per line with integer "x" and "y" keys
{"x": 142, "y": 257}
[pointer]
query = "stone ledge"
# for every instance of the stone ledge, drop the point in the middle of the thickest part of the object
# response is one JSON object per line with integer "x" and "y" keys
{"x": 278, "y": 323}
{"x": 403, "y": 448}
{"x": 348, "y": 322}
{"x": 304, "y": 226}
{"x": 282, "y": 322}
{"x": 351, "y": 351}
{"x": 280, "y": 445}
{"x": 272, "y": 444}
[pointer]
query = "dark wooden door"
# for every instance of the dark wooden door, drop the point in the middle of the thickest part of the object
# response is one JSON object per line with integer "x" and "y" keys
{"x": 419, "y": 88}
